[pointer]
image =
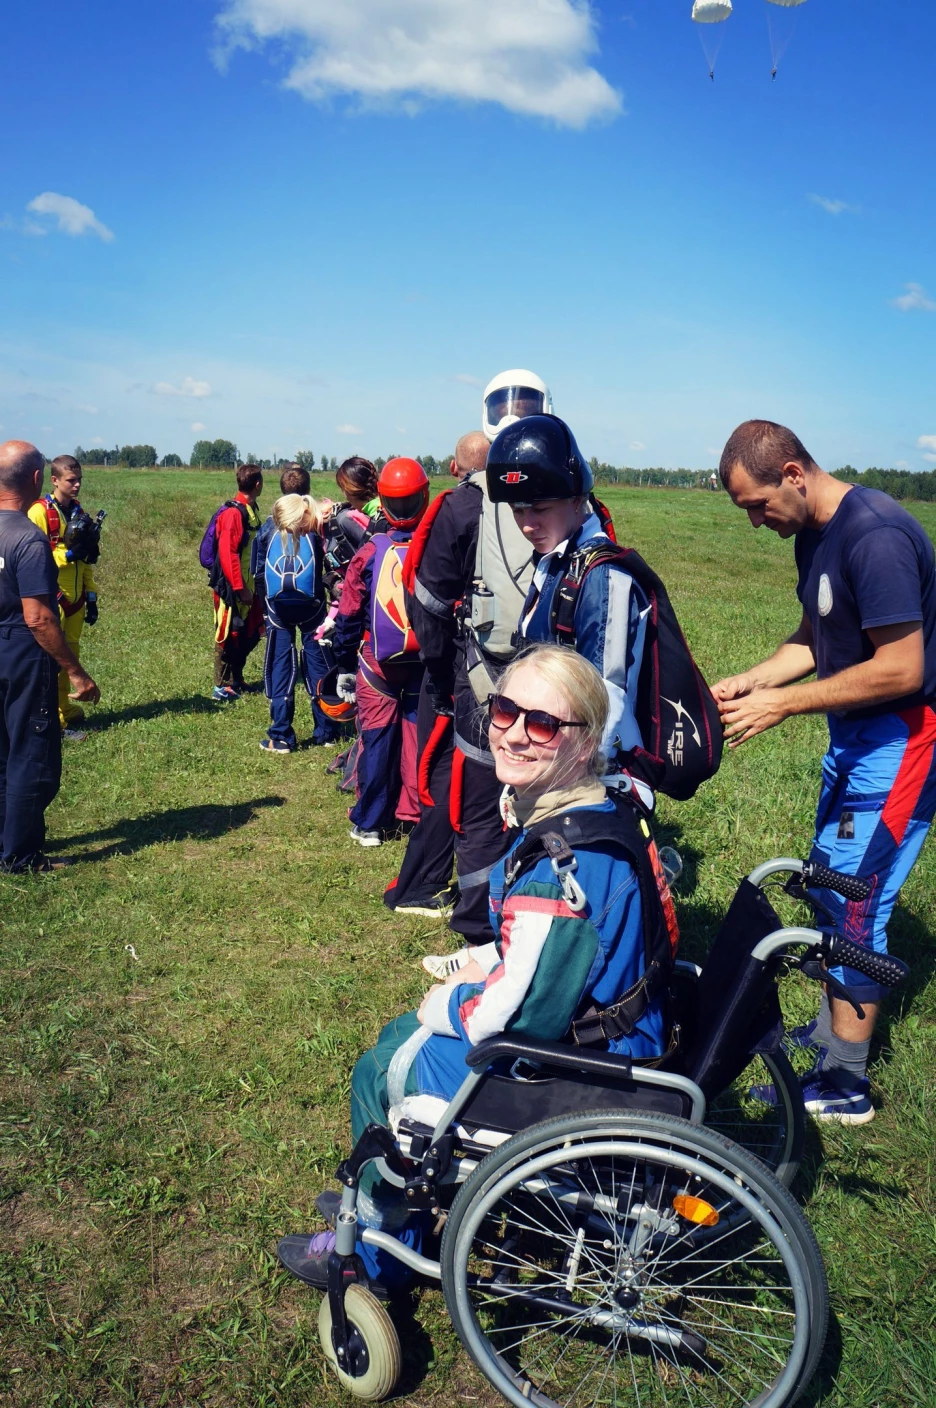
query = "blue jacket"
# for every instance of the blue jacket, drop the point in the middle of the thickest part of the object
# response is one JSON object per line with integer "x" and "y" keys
{"x": 610, "y": 627}
{"x": 547, "y": 958}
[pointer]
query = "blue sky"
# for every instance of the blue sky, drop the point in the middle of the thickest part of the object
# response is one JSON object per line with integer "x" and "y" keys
{"x": 302, "y": 224}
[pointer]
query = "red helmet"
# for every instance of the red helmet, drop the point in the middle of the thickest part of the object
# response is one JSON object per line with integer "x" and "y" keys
{"x": 404, "y": 492}
{"x": 329, "y": 700}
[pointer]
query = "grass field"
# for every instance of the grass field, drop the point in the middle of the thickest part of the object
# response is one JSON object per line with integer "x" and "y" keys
{"x": 181, "y": 1009}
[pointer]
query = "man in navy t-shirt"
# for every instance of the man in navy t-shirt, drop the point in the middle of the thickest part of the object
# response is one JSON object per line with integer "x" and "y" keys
{"x": 867, "y": 586}
{"x": 32, "y": 648}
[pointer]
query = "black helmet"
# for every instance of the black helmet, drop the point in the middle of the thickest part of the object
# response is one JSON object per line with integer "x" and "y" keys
{"x": 534, "y": 459}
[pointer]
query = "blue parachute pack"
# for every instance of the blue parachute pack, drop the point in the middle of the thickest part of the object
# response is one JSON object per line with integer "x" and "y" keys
{"x": 292, "y": 574}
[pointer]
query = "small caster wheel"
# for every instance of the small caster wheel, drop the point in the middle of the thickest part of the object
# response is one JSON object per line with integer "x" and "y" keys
{"x": 375, "y": 1358}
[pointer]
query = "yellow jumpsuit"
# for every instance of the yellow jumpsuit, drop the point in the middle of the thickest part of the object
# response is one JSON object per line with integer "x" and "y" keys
{"x": 75, "y": 580}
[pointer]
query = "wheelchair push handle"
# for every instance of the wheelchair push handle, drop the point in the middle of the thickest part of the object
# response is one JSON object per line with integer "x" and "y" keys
{"x": 850, "y": 887}
{"x": 881, "y": 968}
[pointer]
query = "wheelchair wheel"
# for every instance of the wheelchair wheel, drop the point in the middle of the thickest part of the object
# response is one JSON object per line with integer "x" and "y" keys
{"x": 374, "y": 1342}
{"x": 639, "y": 1261}
{"x": 774, "y": 1133}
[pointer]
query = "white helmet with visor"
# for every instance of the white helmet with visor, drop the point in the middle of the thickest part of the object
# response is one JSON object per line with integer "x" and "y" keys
{"x": 510, "y": 396}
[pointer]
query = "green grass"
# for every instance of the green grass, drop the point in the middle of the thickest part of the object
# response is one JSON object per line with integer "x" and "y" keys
{"x": 165, "y": 1116}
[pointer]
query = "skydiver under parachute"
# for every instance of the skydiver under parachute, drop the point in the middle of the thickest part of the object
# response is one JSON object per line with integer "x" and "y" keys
{"x": 714, "y": 12}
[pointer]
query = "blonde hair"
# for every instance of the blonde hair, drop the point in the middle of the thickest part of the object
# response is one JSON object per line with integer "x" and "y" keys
{"x": 295, "y": 515}
{"x": 584, "y": 691}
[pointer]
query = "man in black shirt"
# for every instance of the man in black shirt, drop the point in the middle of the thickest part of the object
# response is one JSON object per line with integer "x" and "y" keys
{"x": 32, "y": 648}
{"x": 867, "y": 588}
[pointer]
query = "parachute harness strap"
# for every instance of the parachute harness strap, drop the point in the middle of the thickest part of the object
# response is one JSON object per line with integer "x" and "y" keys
{"x": 564, "y": 865}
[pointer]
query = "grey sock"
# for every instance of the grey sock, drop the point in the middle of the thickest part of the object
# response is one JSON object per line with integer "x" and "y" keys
{"x": 847, "y": 1061}
{"x": 823, "y": 1030}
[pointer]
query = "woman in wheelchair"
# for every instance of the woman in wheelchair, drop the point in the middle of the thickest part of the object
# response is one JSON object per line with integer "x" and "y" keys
{"x": 569, "y": 938}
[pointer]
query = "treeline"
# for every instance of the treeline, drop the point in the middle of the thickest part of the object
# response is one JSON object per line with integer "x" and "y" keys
{"x": 899, "y": 483}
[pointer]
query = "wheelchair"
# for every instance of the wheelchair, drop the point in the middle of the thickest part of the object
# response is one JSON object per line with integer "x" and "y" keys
{"x": 601, "y": 1244}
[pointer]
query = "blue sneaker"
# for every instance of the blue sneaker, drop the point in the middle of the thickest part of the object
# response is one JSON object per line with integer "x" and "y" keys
{"x": 825, "y": 1100}
{"x": 800, "y": 1039}
{"x": 274, "y": 745}
{"x": 224, "y": 694}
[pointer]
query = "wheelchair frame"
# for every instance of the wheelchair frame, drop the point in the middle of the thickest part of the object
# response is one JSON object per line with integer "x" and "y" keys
{"x": 734, "y": 1197}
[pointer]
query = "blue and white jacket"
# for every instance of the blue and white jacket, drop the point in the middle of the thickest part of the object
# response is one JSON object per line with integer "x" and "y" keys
{"x": 610, "y": 627}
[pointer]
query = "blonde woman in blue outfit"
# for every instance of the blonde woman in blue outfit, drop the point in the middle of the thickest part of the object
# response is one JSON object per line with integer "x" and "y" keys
{"x": 557, "y": 948}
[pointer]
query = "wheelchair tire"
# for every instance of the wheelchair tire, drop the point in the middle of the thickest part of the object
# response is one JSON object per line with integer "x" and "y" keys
{"x": 377, "y": 1335}
{"x": 578, "y": 1269}
{"x": 776, "y": 1133}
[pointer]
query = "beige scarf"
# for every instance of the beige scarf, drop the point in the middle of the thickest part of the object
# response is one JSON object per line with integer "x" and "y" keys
{"x": 525, "y": 811}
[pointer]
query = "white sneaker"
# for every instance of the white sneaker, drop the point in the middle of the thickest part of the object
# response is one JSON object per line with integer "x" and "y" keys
{"x": 442, "y": 965}
{"x": 365, "y": 838}
{"x": 73, "y": 735}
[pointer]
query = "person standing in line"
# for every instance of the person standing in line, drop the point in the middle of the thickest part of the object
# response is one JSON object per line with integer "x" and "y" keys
{"x": 294, "y": 602}
{"x": 867, "y": 588}
{"x": 238, "y": 611}
{"x": 32, "y": 650}
{"x": 77, "y": 589}
{"x": 377, "y": 660}
{"x": 472, "y": 571}
{"x": 293, "y": 480}
{"x": 423, "y": 885}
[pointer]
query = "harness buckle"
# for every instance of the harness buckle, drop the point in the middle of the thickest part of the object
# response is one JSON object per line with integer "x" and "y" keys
{"x": 572, "y": 892}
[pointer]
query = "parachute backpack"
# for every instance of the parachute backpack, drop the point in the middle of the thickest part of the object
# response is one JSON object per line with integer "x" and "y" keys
{"x": 208, "y": 547}
{"x": 677, "y": 715}
{"x": 291, "y": 576}
{"x": 393, "y": 639}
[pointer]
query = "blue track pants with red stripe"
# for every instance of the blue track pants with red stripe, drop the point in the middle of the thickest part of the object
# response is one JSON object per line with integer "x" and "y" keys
{"x": 877, "y": 801}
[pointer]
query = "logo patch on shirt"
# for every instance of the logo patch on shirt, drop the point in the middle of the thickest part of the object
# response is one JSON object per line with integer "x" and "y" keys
{"x": 825, "y": 595}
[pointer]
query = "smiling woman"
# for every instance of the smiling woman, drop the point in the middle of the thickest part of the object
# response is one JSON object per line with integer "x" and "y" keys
{"x": 567, "y": 942}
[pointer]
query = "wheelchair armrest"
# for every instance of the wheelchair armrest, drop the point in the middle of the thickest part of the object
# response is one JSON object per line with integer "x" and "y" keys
{"x": 574, "y": 1058}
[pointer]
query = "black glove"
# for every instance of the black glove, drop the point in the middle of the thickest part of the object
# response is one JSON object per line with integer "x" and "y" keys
{"x": 440, "y": 697}
{"x": 91, "y": 609}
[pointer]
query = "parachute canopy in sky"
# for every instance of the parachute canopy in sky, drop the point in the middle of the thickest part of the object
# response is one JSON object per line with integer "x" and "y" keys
{"x": 714, "y": 11}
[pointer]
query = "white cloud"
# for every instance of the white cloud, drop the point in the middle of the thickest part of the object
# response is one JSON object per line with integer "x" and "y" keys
{"x": 197, "y": 425}
{"x": 96, "y": 440}
{"x": 71, "y": 216}
{"x": 348, "y": 430}
{"x": 931, "y": 458}
{"x": 464, "y": 379}
{"x": 529, "y": 56}
{"x": 915, "y": 298}
{"x": 636, "y": 445}
{"x": 833, "y": 207}
{"x": 189, "y": 387}
{"x": 89, "y": 410}
{"x": 926, "y": 442}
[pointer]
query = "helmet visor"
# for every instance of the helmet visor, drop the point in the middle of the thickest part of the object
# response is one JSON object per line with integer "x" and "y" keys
{"x": 406, "y": 508}
{"x": 518, "y": 401}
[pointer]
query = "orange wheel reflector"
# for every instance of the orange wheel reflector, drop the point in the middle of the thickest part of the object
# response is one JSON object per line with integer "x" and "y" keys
{"x": 695, "y": 1210}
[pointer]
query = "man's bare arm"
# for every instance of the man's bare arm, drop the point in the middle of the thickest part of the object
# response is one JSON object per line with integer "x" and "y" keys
{"x": 894, "y": 670}
{"x": 793, "y": 660}
{"x": 43, "y": 620}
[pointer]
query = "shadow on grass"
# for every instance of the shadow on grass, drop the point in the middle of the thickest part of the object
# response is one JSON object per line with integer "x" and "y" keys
{"x": 204, "y": 823}
{"x": 155, "y": 709}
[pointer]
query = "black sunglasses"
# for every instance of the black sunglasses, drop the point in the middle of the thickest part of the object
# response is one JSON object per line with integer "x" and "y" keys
{"x": 539, "y": 726}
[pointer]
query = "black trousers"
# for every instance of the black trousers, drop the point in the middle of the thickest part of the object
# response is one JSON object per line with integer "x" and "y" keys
{"x": 30, "y": 746}
{"x": 430, "y": 850}
{"x": 479, "y": 846}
